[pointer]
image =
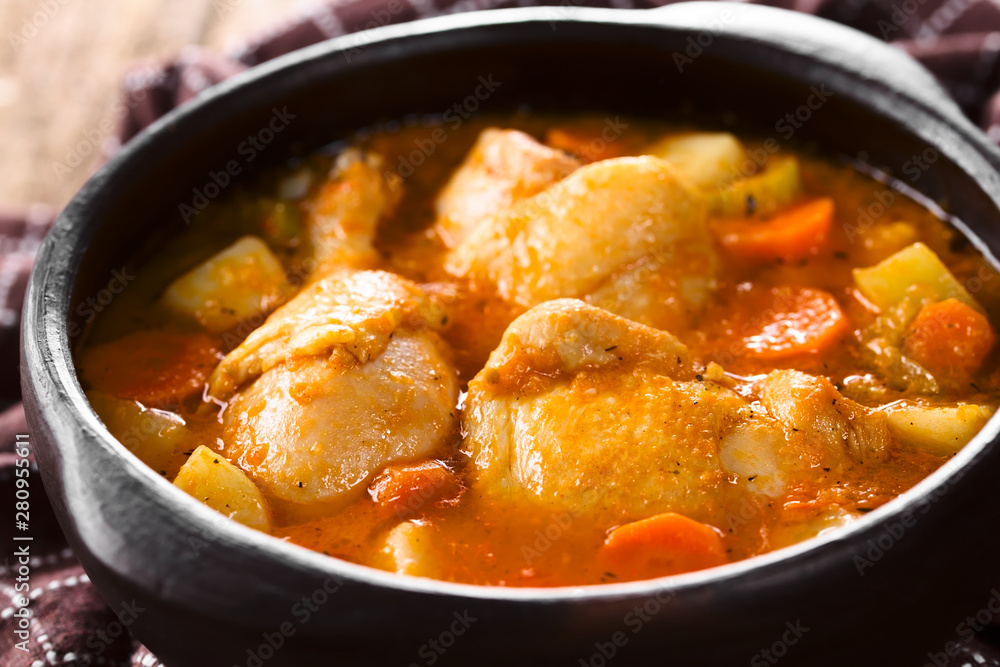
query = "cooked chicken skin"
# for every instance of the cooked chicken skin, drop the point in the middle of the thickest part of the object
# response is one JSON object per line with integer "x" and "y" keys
{"x": 344, "y": 379}
{"x": 585, "y": 411}
{"x": 664, "y": 289}
{"x": 504, "y": 166}
{"x": 576, "y": 237}
{"x": 348, "y": 317}
{"x": 311, "y": 431}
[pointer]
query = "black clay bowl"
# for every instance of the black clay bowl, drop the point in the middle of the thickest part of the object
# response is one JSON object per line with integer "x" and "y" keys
{"x": 885, "y": 591}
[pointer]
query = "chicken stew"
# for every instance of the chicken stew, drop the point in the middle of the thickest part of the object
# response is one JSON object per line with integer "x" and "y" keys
{"x": 548, "y": 351}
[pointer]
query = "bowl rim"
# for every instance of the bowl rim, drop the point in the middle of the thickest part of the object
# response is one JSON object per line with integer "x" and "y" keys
{"x": 48, "y": 367}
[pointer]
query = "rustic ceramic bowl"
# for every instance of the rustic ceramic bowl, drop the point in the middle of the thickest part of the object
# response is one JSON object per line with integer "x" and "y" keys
{"x": 885, "y": 591}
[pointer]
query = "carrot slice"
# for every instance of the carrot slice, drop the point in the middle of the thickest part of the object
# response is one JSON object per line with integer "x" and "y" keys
{"x": 156, "y": 368}
{"x": 797, "y": 320}
{"x": 409, "y": 488}
{"x": 588, "y": 145}
{"x": 950, "y": 339}
{"x": 791, "y": 235}
{"x": 660, "y": 545}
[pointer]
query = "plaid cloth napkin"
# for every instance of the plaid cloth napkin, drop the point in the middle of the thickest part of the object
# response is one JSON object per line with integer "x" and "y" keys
{"x": 958, "y": 40}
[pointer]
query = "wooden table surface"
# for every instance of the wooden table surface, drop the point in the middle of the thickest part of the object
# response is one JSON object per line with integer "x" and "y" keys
{"x": 61, "y": 64}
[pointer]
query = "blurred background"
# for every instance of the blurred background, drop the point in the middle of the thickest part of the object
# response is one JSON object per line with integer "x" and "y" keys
{"x": 62, "y": 63}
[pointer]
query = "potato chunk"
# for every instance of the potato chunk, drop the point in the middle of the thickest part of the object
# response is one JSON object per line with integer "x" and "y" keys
{"x": 764, "y": 194}
{"x": 792, "y": 532}
{"x": 213, "y": 480}
{"x": 410, "y": 548}
{"x": 915, "y": 266}
{"x": 714, "y": 162}
{"x": 938, "y": 429}
{"x": 708, "y": 160}
{"x": 242, "y": 280}
{"x": 155, "y": 436}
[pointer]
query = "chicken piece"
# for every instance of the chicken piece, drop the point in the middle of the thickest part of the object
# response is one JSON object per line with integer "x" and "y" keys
{"x": 570, "y": 239}
{"x": 344, "y": 379}
{"x": 503, "y": 167}
{"x": 662, "y": 290}
{"x": 347, "y": 317}
{"x": 756, "y": 452}
{"x": 313, "y": 431}
{"x": 809, "y": 429}
{"x": 584, "y": 411}
{"x": 821, "y": 422}
{"x": 343, "y": 215}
